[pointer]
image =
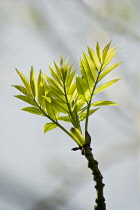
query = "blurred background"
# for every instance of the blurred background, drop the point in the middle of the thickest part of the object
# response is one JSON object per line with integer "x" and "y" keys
{"x": 39, "y": 171}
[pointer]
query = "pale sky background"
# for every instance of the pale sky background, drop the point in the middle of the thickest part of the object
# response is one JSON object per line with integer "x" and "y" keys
{"x": 39, "y": 171}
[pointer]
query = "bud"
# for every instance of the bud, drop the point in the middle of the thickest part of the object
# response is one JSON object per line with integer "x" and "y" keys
{"x": 79, "y": 139}
{"x": 62, "y": 69}
{"x": 61, "y": 61}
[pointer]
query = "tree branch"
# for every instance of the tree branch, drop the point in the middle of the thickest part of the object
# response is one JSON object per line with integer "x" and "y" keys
{"x": 97, "y": 177}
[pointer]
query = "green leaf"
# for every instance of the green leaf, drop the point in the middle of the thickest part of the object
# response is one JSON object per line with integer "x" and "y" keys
{"x": 88, "y": 71}
{"x": 105, "y": 50}
{"x": 83, "y": 109}
{"x": 109, "y": 58}
{"x": 79, "y": 104}
{"x": 99, "y": 52}
{"x": 33, "y": 110}
{"x": 63, "y": 70}
{"x": 47, "y": 98}
{"x": 66, "y": 63}
{"x": 52, "y": 111}
{"x": 25, "y": 82}
{"x": 110, "y": 51}
{"x": 70, "y": 80}
{"x": 27, "y": 100}
{"x": 84, "y": 114}
{"x": 98, "y": 103}
{"x": 58, "y": 71}
{"x": 106, "y": 71}
{"x": 55, "y": 93}
{"x": 106, "y": 85}
{"x": 49, "y": 126}
{"x": 79, "y": 139}
{"x": 55, "y": 76}
{"x": 82, "y": 89}
{"x": 64, "y": 118}
{"x": 72, "y": 93}
{"x": 60, "y": 93}
{"x": 21, "y": 89}
{"x": 94, "y": 58}
{"x": 61, "y": 61}
{"x": 33, "y": 82}
{"x": 54, "y": 84}
{"x": 41, "y": 89}
{"x": 60, "y": 106}
{"x": 103, "y": 103}
{"x": 68, "y": 70}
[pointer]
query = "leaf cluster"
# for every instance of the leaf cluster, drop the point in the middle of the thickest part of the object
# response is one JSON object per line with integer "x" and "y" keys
{"x": 66, "y": 96}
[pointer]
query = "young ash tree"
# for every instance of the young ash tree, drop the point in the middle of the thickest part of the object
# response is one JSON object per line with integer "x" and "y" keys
{"x": 66, "y": 96}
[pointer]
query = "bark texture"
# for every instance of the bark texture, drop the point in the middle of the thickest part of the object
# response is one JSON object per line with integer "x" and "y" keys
{"x": 97, "y": 177}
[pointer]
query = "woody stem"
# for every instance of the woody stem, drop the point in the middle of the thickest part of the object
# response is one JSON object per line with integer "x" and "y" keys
{"x": 97, "y": 177}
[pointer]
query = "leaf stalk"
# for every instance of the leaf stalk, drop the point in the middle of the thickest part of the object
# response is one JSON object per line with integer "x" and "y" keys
{"x": 89, "y": 103}
{"x": 56, "y": 122}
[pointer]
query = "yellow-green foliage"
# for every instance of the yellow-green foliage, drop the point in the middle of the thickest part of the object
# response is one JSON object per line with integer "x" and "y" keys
{"x": 65, "y": 96}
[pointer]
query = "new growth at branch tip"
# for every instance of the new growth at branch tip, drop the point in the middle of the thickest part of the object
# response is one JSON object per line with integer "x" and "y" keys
{"x": 67, "y": 96}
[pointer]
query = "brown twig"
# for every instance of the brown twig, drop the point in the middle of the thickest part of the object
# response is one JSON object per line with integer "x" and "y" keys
{"x": 97, "y": 177}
